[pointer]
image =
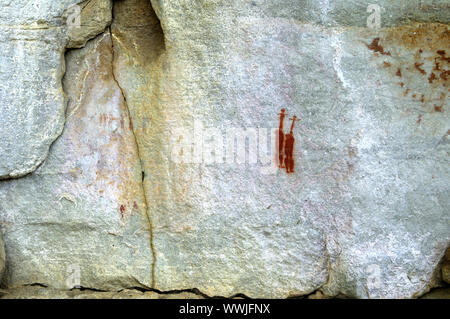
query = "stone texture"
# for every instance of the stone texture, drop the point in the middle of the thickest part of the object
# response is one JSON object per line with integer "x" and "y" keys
{"x": 95, "y": 16}
{"x": 83, "y": 211}
{"x": 33, "y": 292}
{"x": 33, "y": 38}
{"x": 365, "y": 214}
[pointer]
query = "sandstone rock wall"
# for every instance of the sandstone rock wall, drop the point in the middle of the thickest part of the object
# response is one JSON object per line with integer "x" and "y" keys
{"x": 121, "y": 175}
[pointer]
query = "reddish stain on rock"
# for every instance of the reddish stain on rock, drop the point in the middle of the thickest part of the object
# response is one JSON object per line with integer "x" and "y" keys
{"x": 443, "y": 55}
{"x": 432, "y": 77}
{"x": 399, "y": 73}
{"x": 376, "y": 47}
{"x": 122, "y": 210}
{"x": 419, "y": 119}
{"x": 418, "y": 65}
{"x": 444, "y": 75}
{"x": 437, "y": 108}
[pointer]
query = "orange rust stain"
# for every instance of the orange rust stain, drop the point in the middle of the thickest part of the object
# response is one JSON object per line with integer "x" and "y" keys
{"x": 432, "y": 36}
{"x": 420, "y": 47}
{"x": 376, "y": 47}
{"x": 428, "y": 43}
{"x": 443, "y": 55}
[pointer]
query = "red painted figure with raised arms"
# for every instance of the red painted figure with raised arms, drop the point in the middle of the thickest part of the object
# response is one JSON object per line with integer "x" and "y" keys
{"x": 289, "y": 148}
{"x": 281, "y": 140}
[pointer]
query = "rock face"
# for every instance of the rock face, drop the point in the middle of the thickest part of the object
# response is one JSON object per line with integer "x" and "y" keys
{"x": 146, "y": 187}
{"x": 370, "y": 186}
{"x": 33, "y": 38}
{"x": 93, "y": 17}
{"x": 80, "y": 219}
{"x": 49, "y": 293}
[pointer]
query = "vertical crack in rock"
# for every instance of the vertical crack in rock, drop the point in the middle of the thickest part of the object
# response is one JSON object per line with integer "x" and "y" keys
{"x": 150, "y": 226}
{"x": 137, "y": 43}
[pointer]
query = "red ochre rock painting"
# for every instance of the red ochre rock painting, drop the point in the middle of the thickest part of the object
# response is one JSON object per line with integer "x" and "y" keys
{"x": 286, "y": 144}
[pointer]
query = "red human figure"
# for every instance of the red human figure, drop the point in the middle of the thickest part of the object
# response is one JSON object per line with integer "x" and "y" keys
{"x": 281, "y": 139}
{"x": 289, "y": 148}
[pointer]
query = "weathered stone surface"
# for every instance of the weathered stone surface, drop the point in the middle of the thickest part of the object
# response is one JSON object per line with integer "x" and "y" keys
{"x": 33, "y": 292}
{"x": 95, "y": 16}
{"x": 33, "y": 38}
{"x": 365, "y": 214}
{"x": 83, "y": 211}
